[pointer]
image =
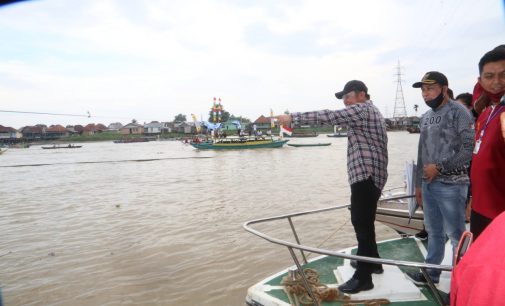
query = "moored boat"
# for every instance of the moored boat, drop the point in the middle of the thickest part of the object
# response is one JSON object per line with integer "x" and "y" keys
{"x": 337, "y": 132}
{"x": 393, "y": 212}
{"x": 303, "y": 134}
{"x": 342, "y": 134}
{"x": 20, "y": 145}
{"x": 398, "y": 209}
{"x": 414, "y": 130}
{"x": 238, "y": 143}
{"x": 309, "y": 144}
{"x": 70, "y": 146}
{"x": 130, "y": 140}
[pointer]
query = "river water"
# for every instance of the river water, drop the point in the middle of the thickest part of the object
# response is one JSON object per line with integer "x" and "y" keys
{"x": 160, "y": 223}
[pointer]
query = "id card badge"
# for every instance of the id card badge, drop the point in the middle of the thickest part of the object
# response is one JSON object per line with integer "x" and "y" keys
{"x": 477, "y": 147}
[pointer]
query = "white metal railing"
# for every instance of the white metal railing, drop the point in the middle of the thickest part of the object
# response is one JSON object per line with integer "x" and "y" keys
{"x": 298, "y": 246}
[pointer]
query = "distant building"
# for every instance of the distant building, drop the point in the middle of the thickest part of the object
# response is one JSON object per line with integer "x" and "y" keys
{"x": 34, "y": 132}
{"x": 263, "y": 123}
{"x": 89, "y": 129}
{"x": 167, "y": 127}
{"x": 403, "y": 123}
{"x": 92, "y": 128}
{"x": 115, "y": 126}
{"x": 153, "y": 128}
{"x": 78, "y": 129}
{"x": 228, "y": 126}
{"x": 132, "y": 128}
{"x": 284, "y": 120}
{"x": 100, "y": 128}
{"x": 56, "y": 131}
{"x": 9, "y": 133}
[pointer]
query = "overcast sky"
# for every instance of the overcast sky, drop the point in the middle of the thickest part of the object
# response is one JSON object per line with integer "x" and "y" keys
{"x": 151, "y": 60}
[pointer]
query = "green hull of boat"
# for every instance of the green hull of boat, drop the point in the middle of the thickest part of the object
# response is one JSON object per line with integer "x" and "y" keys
{"x": 398, "y": 249}
{"x": 239, "y": 145}
{"x": 309, "y": 145}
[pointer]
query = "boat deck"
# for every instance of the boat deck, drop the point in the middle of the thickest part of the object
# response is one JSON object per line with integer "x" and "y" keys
{"x": 391, "y": 284}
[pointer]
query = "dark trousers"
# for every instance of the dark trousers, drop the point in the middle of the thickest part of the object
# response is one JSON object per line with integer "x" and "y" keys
{"x": 364, "y": 197}
{"x": 478, "y": 223}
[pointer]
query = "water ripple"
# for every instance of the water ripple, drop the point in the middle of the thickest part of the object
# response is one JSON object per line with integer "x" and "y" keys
{"x": 161, "y": 223}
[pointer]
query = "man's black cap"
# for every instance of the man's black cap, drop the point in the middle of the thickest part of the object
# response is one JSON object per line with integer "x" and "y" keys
{"x": 430, "y": 78}
{"x": 353, "y": 85}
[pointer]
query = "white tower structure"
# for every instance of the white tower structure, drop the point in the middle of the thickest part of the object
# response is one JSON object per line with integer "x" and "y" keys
{"x": 399, "y": 110}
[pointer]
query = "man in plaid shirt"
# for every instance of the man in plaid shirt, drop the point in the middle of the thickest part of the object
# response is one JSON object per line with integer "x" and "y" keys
{"x": 367, "y": 160}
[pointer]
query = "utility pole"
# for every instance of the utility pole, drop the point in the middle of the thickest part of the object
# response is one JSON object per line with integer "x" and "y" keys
{"x": 399, "y": 110}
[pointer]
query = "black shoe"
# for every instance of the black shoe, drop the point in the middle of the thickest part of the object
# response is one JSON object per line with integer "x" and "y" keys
{"x": 422, "y": 235}
{"x": 376, "y": 269}
{"x": 419, "y": 279}
{"x": 355, "y": 285}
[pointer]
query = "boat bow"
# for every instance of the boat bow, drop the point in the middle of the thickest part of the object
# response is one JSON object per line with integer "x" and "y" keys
{"x": 263, "y": 293}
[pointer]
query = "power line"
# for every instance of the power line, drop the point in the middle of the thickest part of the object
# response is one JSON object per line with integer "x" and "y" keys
{"x": 88, "y": 115}
{"x": 40, "y": 113}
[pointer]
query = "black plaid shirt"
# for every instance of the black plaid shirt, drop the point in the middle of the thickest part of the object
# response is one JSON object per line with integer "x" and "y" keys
{"x": 367, "y": 152}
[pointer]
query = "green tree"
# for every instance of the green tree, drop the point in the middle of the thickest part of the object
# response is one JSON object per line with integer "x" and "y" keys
{"x": 286, "y": 112}
{"x": 225, "y": 116}
{"x": 240, "y": 118}
{"x": 180, "y": 118}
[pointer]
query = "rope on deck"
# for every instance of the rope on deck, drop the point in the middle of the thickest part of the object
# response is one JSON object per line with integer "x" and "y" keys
{"x": 298, "y": 295}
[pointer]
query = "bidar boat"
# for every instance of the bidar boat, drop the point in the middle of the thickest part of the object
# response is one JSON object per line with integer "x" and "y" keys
{"x": 237, "y": 143}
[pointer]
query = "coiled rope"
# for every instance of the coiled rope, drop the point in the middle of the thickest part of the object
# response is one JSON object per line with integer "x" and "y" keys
{"x": 298, "y": 295}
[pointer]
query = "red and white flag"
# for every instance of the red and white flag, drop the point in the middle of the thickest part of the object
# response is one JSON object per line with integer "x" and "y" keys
{"x": 285, "y": 130}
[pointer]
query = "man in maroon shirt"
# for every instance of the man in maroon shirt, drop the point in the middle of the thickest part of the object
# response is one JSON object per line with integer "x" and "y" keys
{"x": 488, "y": 161}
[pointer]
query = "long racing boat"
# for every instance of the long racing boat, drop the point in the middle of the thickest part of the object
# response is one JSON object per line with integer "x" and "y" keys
{"x": 237, "y": 143}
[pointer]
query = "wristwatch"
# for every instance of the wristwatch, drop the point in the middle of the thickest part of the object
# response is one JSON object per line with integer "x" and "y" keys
{"x": 439, "y": 167}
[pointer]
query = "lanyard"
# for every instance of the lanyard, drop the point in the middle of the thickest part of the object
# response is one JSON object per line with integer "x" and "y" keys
{"x": 494, "y": 113}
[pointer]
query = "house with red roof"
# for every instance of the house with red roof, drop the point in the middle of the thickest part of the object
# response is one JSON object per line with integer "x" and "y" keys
{"x": 92, "y": 128}
{"x": 7, "y": 132}
{"x": 34, "y": 132}
{"x": 56, "y": 131}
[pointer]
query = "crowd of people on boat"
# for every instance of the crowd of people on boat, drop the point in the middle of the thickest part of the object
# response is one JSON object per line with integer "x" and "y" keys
{"x": 453, "y": 134}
